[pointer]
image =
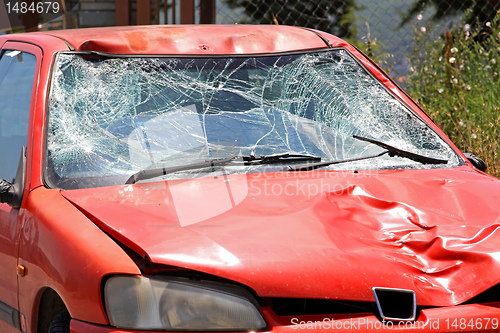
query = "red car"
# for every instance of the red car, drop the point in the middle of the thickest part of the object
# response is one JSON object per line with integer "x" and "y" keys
{"x": 232, "y": 178}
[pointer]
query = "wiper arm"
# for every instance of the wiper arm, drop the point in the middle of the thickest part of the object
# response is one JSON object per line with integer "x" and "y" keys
{"x": 393, "y": 151}
{"x": 243, "y": 159}
{"x": 278, "y": 158}
{"x": 312, "y": 166}
{"x": 157, "y": 172}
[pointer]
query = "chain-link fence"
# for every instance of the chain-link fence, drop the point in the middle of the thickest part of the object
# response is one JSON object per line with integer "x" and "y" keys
{"x": 389, "y": 26}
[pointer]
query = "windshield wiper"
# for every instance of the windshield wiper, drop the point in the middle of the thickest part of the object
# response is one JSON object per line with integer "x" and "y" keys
{"x": 393, "y": 151}
{"x": 241, "y": 159}
{"x": 278, "y": 158}
{"x": 312, "y": 166}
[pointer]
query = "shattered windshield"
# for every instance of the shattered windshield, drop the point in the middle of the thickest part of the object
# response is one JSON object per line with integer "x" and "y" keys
{"x": 111, "y": 117}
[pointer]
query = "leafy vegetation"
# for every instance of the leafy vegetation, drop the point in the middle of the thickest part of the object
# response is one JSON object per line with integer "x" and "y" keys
{"x": 477, "y": 11}
{"x": 456, "y": 78}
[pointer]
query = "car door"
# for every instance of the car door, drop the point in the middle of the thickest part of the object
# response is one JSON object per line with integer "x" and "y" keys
{"x": 19, "y": 67}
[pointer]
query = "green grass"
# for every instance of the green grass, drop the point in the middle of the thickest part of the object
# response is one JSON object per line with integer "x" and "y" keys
{"x": 457, "y": 81}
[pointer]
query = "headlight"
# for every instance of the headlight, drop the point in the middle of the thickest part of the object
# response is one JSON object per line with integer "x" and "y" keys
{"x": 142, "y": 303}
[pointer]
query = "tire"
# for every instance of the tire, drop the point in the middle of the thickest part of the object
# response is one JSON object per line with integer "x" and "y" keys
{"x": 60, "y": 324}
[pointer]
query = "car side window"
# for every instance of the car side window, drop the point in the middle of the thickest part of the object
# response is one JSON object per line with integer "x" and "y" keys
{"x": 17, "y": 72}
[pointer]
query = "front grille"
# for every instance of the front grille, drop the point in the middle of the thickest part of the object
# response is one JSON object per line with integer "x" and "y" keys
{"x": 305, "y": 306}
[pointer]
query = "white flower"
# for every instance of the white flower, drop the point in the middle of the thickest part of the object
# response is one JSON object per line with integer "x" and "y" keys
{"x": 426, "y": 69}
{"x": 420, "y": 17}
{"x": 440, "y": 58}
{"x": 423, "y": 29}
{"x": 488, "y": 24}
{"x": 493, "y": 61}
{"x": 468, "y": 87}
{"x": 452, "y": 60}
{"x": 461, "y": 123}
{"x": 455, "y": 81}
{"x": 440, "y": 90}
{"x": 474, "y": 136}
{"x": 454, "y": 50}
{"x": 467, "y": 27}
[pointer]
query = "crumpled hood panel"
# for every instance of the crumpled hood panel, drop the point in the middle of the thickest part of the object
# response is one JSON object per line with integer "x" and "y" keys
{"x": 317, "y": 234}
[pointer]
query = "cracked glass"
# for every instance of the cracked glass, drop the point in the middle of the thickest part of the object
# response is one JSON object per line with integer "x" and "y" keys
{"x": 110, "y": 117}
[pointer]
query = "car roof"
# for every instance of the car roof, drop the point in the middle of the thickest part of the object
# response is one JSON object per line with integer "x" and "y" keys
{"x": 194, "y": 39}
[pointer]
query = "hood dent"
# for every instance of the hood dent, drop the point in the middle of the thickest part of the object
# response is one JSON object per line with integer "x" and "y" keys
{"x": 397, "y": 232}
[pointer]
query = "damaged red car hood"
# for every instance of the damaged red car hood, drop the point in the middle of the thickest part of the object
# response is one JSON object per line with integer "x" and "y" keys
{"x": 317, "y": 234}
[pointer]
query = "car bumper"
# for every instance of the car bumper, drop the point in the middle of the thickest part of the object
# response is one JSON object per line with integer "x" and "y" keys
{"x": 464, "y": 318}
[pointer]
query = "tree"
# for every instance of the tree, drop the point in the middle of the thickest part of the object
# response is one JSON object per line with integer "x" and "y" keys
{"x": 334, "y": 16}
{"x": 478, "y": 11}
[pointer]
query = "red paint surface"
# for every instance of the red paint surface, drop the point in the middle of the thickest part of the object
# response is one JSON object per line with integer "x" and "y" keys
{"x": 327, "y": 234}
{"x": 181, "y": 39}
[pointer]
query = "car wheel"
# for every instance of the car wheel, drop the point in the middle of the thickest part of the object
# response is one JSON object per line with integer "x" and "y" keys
{"x": 60, "y": 324}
